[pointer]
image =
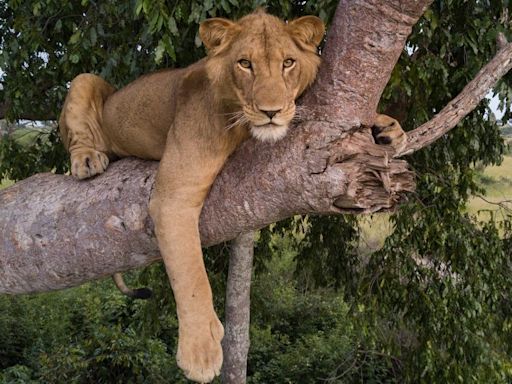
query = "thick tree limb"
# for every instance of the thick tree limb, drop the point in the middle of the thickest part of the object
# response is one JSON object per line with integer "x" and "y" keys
{"x": 58, "y": 232}
{"x": 238, "y": 310}
{"x": 363, "y": 45}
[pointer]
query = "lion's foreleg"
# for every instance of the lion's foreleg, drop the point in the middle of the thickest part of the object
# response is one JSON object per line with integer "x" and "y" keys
{"x": 80, "y": 125}
{"x": 175, "y": 208}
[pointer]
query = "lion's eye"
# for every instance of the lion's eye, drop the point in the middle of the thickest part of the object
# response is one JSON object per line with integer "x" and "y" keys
{"x": 288, "y": 63}
{"x": 245, "y": 64}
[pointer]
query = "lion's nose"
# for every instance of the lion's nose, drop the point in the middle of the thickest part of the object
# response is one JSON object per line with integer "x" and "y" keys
{"x": 270, "y": 114}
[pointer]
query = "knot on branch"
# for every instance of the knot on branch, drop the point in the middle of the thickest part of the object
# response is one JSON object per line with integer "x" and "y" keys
{"x": 375, "y": 181}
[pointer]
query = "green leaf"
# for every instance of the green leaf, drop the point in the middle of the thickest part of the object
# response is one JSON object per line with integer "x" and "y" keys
{"x": 138, "y": 7}
{"x": 159, "y": 52}
{"x": 172, "y": 26}
{"x": 93, "y": 36}
{"x": 74, "y": 58}
{"x": 75, "y": 37}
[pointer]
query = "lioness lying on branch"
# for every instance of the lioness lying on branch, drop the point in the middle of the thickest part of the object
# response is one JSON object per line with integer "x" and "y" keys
{"x": 192, "y": 119}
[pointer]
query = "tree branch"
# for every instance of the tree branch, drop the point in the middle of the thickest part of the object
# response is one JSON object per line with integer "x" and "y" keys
{"x": 464, "y": 102}
{"x": 363, "y": 45}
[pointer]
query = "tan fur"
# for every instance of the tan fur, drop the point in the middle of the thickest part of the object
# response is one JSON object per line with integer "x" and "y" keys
{"x": 192, "y": 119}
{"x": 387, "y": 130}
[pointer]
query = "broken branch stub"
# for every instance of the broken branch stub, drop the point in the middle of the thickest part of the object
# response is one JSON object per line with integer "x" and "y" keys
{"x": 376, "y": 181}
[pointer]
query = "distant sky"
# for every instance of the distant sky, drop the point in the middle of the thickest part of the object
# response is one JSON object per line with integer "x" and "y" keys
{"x": 494, "y": 106}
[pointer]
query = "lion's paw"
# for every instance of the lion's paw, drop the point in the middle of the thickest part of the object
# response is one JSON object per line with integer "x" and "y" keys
{"x": 387, "y": 130}
{"x": 88, "y": 162}
{"x": 200, "y": 351}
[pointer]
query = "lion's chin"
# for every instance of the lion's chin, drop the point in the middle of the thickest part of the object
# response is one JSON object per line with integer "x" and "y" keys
{"x": 269, "y": 132}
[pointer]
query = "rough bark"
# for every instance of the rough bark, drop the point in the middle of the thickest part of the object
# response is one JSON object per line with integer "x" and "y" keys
{"x": 58, "y": 232}
{"x": 238, "y": 310}
{"x": 363, "y": 45}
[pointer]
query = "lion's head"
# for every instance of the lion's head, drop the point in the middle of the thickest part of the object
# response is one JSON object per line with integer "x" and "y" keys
{"x": 260, "y": 65}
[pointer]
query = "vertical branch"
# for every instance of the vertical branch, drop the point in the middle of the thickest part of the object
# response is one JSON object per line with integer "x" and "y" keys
{"x": 238, "y": 307}
{"x": 359, "y": 57}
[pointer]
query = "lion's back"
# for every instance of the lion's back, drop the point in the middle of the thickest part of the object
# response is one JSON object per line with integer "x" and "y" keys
{"x": 137, "y": 118}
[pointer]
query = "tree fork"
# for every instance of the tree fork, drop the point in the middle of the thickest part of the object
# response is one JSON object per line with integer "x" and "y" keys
{"x": 58, "y": 232}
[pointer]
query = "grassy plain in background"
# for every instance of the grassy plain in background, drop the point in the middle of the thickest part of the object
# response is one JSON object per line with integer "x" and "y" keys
{"x": 495, "y": 203}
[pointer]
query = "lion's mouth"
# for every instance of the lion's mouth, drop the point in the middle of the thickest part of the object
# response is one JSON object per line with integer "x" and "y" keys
{"x": 267, "y": 125}
{"x": 269, "y": 132}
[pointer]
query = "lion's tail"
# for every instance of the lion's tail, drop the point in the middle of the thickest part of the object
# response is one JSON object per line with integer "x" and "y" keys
{"x": 139, "y": 293}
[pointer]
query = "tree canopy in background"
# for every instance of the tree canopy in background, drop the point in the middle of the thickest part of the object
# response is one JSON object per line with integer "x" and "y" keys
{"x": 433, "y": 305}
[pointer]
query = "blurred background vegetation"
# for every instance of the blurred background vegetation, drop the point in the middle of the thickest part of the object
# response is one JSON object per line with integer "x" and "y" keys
{"x": 423, "y": 295}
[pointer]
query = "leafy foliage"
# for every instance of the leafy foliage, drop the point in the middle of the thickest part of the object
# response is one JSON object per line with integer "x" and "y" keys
{"x": 94, "y": 334}
{"x": 45, "y": 43}
{"x": 20, "y": 154}
{"x": 89, "y": 334}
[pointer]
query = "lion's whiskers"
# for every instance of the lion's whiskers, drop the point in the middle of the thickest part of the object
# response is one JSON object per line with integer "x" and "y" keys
{"x": 239, "y": 118}
{"x": 235, "y": 115}
{"x": 230, "y": 113}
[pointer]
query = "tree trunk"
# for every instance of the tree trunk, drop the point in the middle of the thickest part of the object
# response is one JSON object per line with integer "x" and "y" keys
{"x": 238, "y": 310}
{"x": 58, "y": 232}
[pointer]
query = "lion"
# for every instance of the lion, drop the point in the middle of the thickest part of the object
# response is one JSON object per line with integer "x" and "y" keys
{"x": 191, "y": 120}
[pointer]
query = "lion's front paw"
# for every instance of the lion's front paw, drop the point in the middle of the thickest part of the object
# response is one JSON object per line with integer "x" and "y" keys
{"x": 199, "y": 350}
{"x": 88, "y": 162}
{"x": 387, "y": 130}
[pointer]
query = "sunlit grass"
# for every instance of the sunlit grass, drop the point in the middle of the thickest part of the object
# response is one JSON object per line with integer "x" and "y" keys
{"x": 496, "y": 204}
{"x": 497, "y": 201}
{"x": 504, "y": 169}
{"x": 6, "y": 183}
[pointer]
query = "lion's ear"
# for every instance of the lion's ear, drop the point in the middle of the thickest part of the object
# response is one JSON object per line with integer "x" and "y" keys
{"x": 308, "y": 29}
{"x": 216, "y": 32}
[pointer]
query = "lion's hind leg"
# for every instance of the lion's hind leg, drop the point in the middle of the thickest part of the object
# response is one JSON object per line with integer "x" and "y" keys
{"x": 80, "y": 125}
{"x": 387, "y": 130}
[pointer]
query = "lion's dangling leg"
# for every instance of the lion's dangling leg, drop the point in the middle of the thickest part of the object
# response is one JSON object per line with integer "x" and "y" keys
{"x": 175, "y": 206}
{"x": 80, "y": 125}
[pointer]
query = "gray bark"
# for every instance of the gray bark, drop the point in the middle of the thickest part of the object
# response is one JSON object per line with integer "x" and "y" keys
{"x": 238, "y": 310}
{"x": 58, "y": 232}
